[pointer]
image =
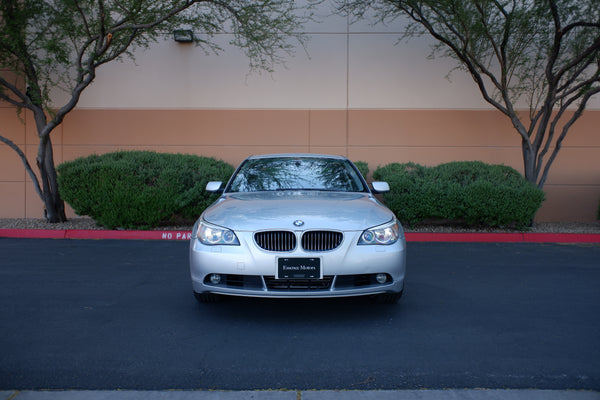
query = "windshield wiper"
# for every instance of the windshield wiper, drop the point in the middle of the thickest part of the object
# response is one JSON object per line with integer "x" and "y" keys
{"x": 299, "y": 189}
{"x": 309, "y": 190}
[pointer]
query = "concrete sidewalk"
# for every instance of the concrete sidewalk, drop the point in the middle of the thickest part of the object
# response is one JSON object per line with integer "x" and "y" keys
{"x": 450, "y": 394}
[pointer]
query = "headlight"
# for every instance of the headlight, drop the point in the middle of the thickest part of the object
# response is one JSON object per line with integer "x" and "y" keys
{"x": 216, "y": 235}
{"x": 382, "y": 234}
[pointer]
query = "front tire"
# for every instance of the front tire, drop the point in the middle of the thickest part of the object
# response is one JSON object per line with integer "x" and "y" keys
{"x": 388, "y": 298}
{"x": 208, "y": 298}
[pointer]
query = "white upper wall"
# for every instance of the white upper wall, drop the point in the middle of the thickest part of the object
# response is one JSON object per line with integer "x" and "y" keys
{"x": 344, "y": 66}
{"x": 387, "y": 74}
{"x": 180, "y": 76}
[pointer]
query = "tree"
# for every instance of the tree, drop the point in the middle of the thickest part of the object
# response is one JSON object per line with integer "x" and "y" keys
{"x": 540, "y": 55}
{"x": 45, "y": 44}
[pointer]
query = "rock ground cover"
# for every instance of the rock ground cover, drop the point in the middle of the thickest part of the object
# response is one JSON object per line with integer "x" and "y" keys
{"x": 88, "y": 223}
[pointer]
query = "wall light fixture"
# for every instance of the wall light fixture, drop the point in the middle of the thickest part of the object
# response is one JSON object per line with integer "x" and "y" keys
{"x": 183, "y": 35}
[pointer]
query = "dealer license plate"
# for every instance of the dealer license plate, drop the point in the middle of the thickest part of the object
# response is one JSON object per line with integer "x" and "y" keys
{"x": 299, "y": 268}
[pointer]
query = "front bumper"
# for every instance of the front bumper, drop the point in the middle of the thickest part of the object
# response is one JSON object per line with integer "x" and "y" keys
{"x": 247, "y": 270}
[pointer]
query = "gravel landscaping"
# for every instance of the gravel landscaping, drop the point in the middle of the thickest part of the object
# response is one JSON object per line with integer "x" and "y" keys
{"x": 88, "y": 223}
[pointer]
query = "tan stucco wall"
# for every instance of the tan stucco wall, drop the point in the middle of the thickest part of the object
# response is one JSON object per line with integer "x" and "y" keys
{"x": 379, "y": 137}
{"x": 354, "y": 90}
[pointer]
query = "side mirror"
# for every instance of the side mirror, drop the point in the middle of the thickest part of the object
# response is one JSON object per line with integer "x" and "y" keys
{"x": 380, "y": 187}
{"x": 214, "y": 187}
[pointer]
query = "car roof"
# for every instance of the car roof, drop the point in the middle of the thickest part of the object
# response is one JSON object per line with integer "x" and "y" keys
{"x": 296, "y": 155}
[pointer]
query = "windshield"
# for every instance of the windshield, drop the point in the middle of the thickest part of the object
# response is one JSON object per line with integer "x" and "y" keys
{"x": 301, "y": 173}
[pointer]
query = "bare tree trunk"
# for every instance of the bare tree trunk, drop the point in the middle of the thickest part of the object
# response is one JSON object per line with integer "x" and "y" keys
{"x": 54, "y": 206}
{"x": 529, "y": 158}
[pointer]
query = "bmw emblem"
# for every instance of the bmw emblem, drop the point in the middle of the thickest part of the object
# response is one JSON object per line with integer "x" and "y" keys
{"x": 298, "y": 222}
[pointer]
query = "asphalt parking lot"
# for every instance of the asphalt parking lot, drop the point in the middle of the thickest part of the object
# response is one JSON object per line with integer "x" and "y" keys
{"x": 118, "y": 317}
{"x": 451, "y": 394}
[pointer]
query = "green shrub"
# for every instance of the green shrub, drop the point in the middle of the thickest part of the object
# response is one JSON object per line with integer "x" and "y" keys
{"x": 363, "y": 168}
{"x": 471, "y": 192}
{"x": 140, "y": 189}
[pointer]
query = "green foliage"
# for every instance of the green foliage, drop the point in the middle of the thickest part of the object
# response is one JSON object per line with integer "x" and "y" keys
{"x": 472, "y": 192}
{"x": 140, "y": 189}
{"x": 540, "y": 53}
{"x": 363, "y": 168}
{"x": 60, "y": 44}
{"x": 73, "y": 38}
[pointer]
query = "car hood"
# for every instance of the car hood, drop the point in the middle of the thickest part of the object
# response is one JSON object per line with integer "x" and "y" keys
{"x": 279, "y": 210}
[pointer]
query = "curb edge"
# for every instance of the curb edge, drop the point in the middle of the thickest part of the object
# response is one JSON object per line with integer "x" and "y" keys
{"x": 470, "y": 237}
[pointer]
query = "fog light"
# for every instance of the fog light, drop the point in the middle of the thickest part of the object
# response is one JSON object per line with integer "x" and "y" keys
{"x": 215, "y": 279}
{"x": 381, "y": 278}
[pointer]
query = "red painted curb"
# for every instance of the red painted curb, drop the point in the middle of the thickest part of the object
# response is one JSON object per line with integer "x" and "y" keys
{"x": 562, "y": 237}
{"x": 134, "y": 235}
{"x": 504, "y": 237}
{"x": 33, "y": 233}
{"x": 463, "y": 237}
{"x": 410, "y": 236}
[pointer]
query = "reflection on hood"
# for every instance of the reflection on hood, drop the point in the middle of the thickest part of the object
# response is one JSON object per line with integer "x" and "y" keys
{"x": 279, "y": 209}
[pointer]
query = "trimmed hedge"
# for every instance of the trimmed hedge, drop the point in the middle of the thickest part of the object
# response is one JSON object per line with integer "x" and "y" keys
{"x": 140, "y": 189}
{"x": 470, "y": 192}
{"x": 363, "y": 168}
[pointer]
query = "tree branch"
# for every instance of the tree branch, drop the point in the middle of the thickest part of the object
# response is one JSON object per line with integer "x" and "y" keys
{"x": 580, "y": 57}
{"x": 15, "y": 91}
{"x": 83, "y": 18}
{"x": 576, "y": 115}
{"x": 34, "y": 179}
{"x": 462, "y": 55}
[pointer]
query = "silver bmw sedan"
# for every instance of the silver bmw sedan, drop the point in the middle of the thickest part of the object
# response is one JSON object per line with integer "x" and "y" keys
{"x": 297, "y": 226}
